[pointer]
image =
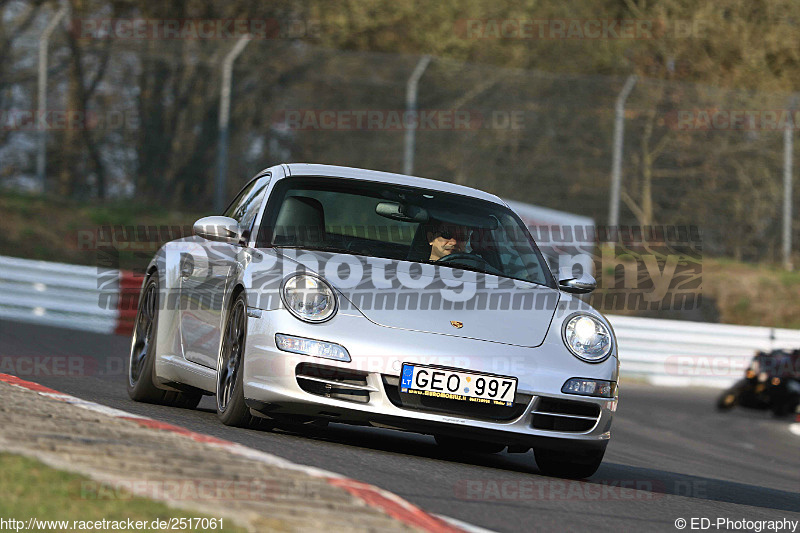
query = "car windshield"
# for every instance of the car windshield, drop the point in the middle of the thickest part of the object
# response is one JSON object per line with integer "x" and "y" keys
{"x": 402, "y": 223}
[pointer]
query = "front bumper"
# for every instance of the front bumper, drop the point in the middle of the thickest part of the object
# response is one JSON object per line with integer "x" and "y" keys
{"x": 271, "y": 384}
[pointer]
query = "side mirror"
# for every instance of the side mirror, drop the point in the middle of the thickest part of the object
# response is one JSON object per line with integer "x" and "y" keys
{"x": 583, "y": 285}
{"x": 218, "y": 228}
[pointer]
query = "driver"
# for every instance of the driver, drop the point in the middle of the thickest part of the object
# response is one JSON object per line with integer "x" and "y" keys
{"x": 446, "y": 239}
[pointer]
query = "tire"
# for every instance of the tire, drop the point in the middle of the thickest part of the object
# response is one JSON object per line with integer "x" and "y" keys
{"x": 141, "y": 363}
{"x": 231, "y": 408}
{"x": 571, "y": 465}
{"x": 733, "y": 396}
{"x": 456, "y": 445}
{"x": 726, "y": 401}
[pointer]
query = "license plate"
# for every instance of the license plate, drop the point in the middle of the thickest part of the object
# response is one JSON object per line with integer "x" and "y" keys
{"x": 458, "y": 385}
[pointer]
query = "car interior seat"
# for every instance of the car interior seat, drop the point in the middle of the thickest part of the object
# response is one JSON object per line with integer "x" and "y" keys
{"x": 301, "y": 221}
{"x": 420, "y": 247}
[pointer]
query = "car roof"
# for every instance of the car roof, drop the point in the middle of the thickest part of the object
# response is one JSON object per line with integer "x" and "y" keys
{"x": 333, "y": 171}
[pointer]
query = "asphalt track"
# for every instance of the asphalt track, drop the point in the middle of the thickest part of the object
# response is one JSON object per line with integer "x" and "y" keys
{"x": 687, "y": 460}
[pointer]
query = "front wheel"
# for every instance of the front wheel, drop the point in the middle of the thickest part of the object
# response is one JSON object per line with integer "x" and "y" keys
{"x": 726, "y": 401}
{"x": 572, "y": 465}
{"x": 730, "y": 397}
{"x": 231, "y": 408}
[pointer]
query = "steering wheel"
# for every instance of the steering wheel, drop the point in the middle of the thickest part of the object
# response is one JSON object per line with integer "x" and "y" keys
{"x": 469, "y": 260}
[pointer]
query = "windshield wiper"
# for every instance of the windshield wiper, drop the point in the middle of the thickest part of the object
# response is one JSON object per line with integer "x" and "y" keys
{"x": 499, "y": 273}
{"x": 462, "y": 266}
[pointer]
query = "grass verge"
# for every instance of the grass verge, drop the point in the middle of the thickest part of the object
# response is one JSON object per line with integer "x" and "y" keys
{"x": 31, "y": 489}
{"x": 53, "y": 229}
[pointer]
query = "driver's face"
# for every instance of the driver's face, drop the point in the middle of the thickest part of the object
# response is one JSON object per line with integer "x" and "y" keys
{"x": 446, "y": 241}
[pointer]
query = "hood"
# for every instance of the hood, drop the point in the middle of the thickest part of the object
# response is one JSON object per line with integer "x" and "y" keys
{"x": 436, "y": 299}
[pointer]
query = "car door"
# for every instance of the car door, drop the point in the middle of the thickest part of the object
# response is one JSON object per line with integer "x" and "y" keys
{"x": 207, "y": 273}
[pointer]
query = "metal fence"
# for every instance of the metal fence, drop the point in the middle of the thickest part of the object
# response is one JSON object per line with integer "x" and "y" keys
{"x": 690, "y": 154}
{"x": 58, "y": 295}
{"x": 681, "y": 353}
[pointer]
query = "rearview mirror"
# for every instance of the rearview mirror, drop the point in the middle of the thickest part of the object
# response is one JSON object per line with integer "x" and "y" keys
{"x": 402, "y": 212}
{"x": 218, "y": 228}
{"x": 583, "y": 285}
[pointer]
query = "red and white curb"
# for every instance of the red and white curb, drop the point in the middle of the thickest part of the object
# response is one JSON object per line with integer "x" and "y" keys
{"x": 127, "y": 302}
{"x": 373, "y": 496}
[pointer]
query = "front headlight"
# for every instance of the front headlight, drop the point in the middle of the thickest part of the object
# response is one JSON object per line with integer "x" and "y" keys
{"x": 587, "y": 338}
{"x": 309, "y": 298}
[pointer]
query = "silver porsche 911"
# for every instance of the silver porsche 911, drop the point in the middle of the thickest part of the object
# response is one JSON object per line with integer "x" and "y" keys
{"x": 336, "y": 294}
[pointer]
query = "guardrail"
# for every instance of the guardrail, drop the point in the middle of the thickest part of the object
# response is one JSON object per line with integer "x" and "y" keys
{"x": 68, "y": 296}
{"x": 682, "y": 353}
{"x": 665, "y": 352}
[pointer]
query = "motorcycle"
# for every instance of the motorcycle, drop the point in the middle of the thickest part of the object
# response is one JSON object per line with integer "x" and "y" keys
{"x": 772, "y": 381}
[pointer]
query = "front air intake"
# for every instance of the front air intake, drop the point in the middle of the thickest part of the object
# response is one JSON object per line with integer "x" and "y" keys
{"x": 565, "y": 415}
{"x": 333, "y": 382}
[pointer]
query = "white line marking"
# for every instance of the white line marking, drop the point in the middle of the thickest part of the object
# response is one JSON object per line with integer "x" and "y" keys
{"x": 469, "y": 528}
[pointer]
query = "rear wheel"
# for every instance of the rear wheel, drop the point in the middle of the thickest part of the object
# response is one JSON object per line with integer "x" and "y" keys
{"x": 573, "y": 465}
{"x": 141, "y": 366}
{"x": 231, "y": 408}
{"x": 782, "y": 407}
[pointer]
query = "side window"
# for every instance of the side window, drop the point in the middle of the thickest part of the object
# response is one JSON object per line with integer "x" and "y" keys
{"x": 251, "y": 207}
{"x": 236, "y": 206}
{"x": 247, "y": 204}
{"x": 519, "y": 261}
